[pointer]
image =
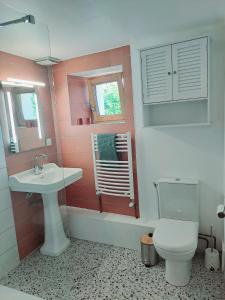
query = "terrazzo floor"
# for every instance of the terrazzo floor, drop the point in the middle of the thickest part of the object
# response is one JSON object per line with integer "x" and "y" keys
{"x": 88, "y": 270}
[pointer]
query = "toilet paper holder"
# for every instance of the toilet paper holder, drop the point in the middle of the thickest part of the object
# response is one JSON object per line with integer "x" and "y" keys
{"x": 221, "y": 211}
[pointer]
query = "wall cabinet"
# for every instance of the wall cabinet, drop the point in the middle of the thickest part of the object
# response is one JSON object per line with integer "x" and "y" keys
{"x": 175, "y": 72}
{"x": 175, "y": 83}
{"x": 157, "y": 74}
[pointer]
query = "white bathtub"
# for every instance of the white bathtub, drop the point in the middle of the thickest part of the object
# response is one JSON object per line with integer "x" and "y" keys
{"x": 108, "y": 228}
{"x": 11, "y": 294}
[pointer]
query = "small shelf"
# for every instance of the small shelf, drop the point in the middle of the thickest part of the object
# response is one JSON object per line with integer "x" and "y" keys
{"x": 179, "y": 125}
{"x": 174, "y": 101}
{"x": 177, "y": 113}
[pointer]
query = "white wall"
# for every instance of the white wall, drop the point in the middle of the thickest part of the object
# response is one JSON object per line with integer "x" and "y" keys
{"x": 9, "y": 257}
{"x": 194, "y": 152}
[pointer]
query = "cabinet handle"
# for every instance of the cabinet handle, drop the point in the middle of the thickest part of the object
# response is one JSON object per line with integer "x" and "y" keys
{"x": 169, "y": 73}
{"x": 174, "y": 72}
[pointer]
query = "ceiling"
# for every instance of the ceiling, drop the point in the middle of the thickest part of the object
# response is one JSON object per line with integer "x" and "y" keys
{"x": 78, "y": 27}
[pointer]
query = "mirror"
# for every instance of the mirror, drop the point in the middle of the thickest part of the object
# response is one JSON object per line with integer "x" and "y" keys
{"x": 24, "y": 117}
{"x": 25, "y": 89}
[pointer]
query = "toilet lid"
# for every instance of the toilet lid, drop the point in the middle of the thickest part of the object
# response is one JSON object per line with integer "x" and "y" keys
{"x": 176, "y": 235}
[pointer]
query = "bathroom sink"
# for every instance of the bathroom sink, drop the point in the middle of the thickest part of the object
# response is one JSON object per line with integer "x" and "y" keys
{"x": 52, "y": 179}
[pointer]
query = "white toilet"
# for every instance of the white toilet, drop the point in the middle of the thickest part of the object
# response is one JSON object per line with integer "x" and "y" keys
{"x": 176, "y": 236}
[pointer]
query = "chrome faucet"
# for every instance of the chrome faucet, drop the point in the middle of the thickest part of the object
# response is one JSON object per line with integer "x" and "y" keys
{"x": 39, "y": 163}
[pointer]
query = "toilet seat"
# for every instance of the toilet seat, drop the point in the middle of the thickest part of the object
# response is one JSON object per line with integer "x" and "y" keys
{"x": 176, "y": 236}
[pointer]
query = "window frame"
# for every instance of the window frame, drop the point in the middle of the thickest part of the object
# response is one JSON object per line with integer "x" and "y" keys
{"x": 18, "y": 104}
{"x": 92, "y": 82}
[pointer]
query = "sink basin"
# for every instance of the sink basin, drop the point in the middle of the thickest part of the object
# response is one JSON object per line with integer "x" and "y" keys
{"x": 48, "y": 183}
{"x": 52, "y": 179}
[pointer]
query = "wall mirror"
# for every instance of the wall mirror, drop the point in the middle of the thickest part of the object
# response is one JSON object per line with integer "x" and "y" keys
{"x": 23, "y": 116}
{"x": 25, "y": 89}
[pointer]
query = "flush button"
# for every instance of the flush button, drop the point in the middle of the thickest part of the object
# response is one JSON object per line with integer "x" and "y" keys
{"x": 177, "y": 179}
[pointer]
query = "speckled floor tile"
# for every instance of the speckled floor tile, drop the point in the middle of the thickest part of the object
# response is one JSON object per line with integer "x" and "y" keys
{"x": 88, "y": 270}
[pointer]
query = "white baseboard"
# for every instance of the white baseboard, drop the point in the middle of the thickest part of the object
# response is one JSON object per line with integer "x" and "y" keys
{"x": 108, "y": 228}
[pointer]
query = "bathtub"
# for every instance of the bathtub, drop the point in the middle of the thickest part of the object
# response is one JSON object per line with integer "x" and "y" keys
{"x": 11, "y": 294}
{"x": 108, "y": 228}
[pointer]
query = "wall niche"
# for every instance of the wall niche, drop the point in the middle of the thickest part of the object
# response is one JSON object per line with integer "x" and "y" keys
{"x": 79, "y": 98}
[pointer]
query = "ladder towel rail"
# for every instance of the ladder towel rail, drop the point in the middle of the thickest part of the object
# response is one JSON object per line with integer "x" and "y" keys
{"x": 114, "y": 178}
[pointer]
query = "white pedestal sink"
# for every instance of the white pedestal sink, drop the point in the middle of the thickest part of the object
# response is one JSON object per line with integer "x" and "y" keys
{"x": 48, "y": 183}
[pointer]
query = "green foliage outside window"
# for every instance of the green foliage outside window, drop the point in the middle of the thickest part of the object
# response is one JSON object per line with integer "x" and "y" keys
{"x": 34, "y": 106}
{"x": 111, "y": 97}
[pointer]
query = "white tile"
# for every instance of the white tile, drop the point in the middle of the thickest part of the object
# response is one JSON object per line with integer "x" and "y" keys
{"x": 7, "y": 240}
{"x": 2, "y": 157}
{"x": 1, "y": 138}
{"x": 8, "y": 261}
{"x": 5, "y": 199}
{"x": 3, "y": 179}
{"x": 6, "y": 220}
{"x": 2, "y": 153}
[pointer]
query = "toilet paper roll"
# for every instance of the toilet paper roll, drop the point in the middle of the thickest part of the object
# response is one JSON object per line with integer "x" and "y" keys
{"x": 220, "y": 211}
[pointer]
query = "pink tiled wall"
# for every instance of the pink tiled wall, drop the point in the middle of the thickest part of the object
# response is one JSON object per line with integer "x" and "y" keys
{"x": 28, "y": 214}
{"x": 78, "y": 97}
{"x": 76, "y": 140}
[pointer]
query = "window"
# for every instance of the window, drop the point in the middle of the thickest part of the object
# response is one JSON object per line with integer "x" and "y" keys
{"x": 25, "y": 104}
{"x": 106, "y": 97}
{"x": 28, "y": 106}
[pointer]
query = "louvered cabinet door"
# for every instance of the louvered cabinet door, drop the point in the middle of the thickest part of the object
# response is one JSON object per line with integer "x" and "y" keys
{"x": 190, "y": 69}
{"x": 156, "y": 69}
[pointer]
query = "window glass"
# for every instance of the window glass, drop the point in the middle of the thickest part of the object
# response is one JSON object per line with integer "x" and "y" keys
{"x": 108, "y": 98}
{"x": 28, "y": 106}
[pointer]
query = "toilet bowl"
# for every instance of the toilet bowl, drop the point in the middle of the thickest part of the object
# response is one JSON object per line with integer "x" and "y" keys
{"x": 176, "y": 242}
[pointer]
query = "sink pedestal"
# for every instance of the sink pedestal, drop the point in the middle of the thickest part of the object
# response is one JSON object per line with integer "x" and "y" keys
{"x": 55, "y": 239}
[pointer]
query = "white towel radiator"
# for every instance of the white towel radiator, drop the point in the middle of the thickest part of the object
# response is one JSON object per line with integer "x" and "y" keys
{"x": 114, "y": 178}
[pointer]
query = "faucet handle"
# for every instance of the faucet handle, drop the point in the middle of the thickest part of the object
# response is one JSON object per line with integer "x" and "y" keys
{"x": 45, "y": 156}
{"x": 44, "y": 159}
{"x": 39, "y": 163}
{"x": 36, "y": 160}
{"x": 37, "y": 170}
